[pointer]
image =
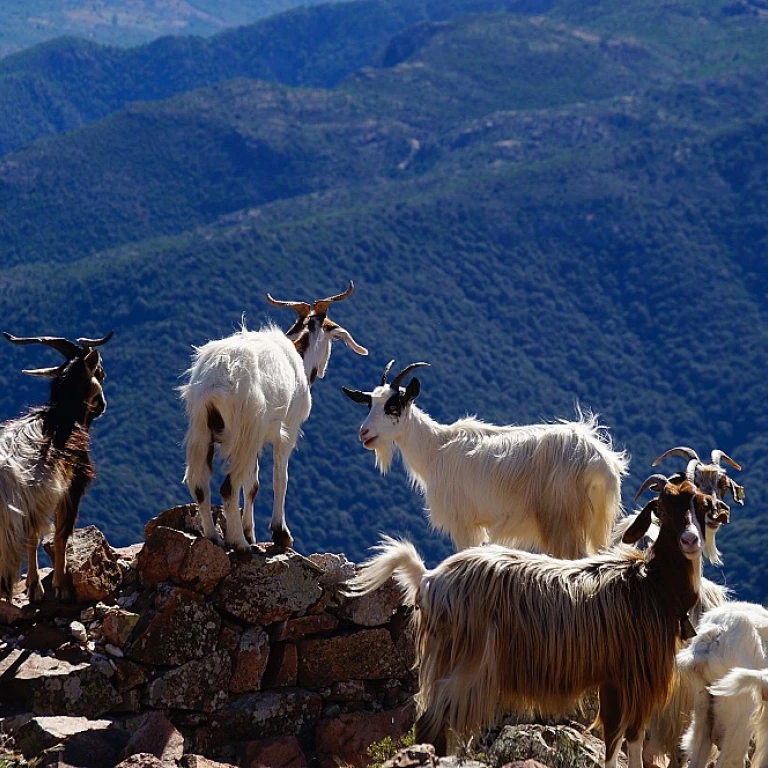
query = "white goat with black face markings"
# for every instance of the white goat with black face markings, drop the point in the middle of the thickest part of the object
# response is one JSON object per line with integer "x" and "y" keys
{"x": 250, "y": 389}
{"x": 555, "y": 488}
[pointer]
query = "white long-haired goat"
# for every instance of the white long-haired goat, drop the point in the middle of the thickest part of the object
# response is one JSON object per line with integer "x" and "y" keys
{"x": 725, "y": 665}
{"x": 247, "y": 390}
{"x": 555, "y": 488}
{"x": 500, "y": 630}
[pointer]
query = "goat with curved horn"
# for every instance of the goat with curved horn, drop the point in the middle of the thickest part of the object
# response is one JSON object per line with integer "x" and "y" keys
{"x": 502, "y": 484}
{"x": 654, "y": 482}
{"x": 680, "y": 450}
{"x": 67, "y": 348}
{"x": 91, "y": 343}
{"x": 400, "y": 378}
{"x": 260, "y": 395}
{"x": 45, "y": 463}
{"x": 323, "y": 305}
{"x": 718, "y": 456}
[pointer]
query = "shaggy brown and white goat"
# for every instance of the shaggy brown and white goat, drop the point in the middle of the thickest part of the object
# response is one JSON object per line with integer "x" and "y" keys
{"x": 502, "y": 630}
{"x": 45, "y": 463}
{"x": 247, "y": 390}
{"x": 668, "y": 724}
{"x": 553, "y": 488}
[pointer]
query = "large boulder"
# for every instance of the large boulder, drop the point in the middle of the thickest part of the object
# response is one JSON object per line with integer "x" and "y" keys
{"x": 41, "y": 733}
{"x": 50, "y": 686}
{"x": 197, "y": 685}
{"x": 251, "y": 661}
{"x": 554, "y": 746}
{"x": 157, "y": 736}
{"x": 344, "y": 740}
{"x": 268, "y": 588}
{"x": 92, "y": 564}
{"x": 366, "y": 655}
{"x": 186, "y": 628}
{"x": 279, "y": 752}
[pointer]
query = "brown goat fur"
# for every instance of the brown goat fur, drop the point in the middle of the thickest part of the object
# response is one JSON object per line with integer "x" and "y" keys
{"x": 502, "y": 630}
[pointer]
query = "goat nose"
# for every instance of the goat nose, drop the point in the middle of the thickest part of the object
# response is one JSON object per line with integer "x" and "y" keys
{"x": 689, "y": 539}
{"x": 363, "y": 433}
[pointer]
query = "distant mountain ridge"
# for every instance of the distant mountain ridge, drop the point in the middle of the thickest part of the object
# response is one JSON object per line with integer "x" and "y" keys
{"x": 551, "y": 209}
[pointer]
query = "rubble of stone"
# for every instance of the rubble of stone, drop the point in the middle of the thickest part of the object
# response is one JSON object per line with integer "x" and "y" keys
{"x": 178, "y": 654}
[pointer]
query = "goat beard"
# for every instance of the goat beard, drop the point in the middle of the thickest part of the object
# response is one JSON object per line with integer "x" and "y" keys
{"x": 385, "y": 452}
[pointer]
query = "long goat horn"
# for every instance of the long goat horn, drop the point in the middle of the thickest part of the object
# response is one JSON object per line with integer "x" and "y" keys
{"x": 718, "y": 456}
{"x": 301, "y": 308}
{"x": 67, "y": 348}
{"x": 690, "y": 470}
{"x": 680, "y": 450}
{"x": 387, "y": 369}
{"x": 91, "y": 343}
{"x": 654, "y": 482}
{"x": 323, "y": 305}
{"x": 398, "y": 380}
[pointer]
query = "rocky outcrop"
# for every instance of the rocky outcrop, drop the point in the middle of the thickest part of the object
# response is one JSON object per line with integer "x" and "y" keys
{"x": 178, "y": 654}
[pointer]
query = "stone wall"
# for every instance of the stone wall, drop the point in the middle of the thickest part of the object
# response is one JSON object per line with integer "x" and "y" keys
{"x": 255, "y": 660}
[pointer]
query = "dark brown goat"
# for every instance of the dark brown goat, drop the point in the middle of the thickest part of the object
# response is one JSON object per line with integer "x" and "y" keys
{"x": 45, "y": 463}
{"x": 501, "y": 630}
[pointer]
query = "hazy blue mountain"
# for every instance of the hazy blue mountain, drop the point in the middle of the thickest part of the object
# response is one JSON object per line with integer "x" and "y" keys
{"x": 552, "y": 209}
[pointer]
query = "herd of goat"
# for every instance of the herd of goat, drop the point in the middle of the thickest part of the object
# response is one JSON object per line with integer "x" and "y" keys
{"x": 575, "y": 606}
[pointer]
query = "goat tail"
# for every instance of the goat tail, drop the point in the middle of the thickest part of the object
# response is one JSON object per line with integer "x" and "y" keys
{"x": 394, "y": 557}
{"x": 742, "y": 680}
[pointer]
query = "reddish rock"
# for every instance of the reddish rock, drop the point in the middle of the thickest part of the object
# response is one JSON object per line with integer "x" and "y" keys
{"x": 267, "y": 588}
{"x": 128, "y": 675}
{"x": 204, "y": 566}
{"x": 92, "y": 564}
{"x": 366, "y": 655}
{"x": 157, "y": 736}
{"x": 296, "y": 629}
{"x": 374, "y": 609}
{"x": 252, "y": 658}
{"x": 283, "y": 667}
{"x": 118, "y": 625}
{"x": 196, "y": 685}
{"x": 186, "y": 628}
{"x": 183, "y": 517}
{"x": 229, "y": 639}
{"x": 163, "y": 553}
{"x": 344, "y": 740}
{"x": 9, "y": 612}
{"x": 50, "y": 686}
{"x": 282, "y": 752}
{"x": 262, "y": 715}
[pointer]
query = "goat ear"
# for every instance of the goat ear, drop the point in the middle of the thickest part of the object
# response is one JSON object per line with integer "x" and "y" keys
{"x": 737, "y": 491}
{"x": 641, "y": 524}
{"x": 412, "y": 390}
{"x": 357, "y": 395}
{"x": 342, "y": 333}
{"x": 46, "y": 373}
{"x": 91, "y": 361}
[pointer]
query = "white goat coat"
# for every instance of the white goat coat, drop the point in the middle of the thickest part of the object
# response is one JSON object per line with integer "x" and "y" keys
{"x": 734, "y": 635}
{"x": 30, "y": 490}
{"x": 256, "y": 380}
{"x": 555, "y": 488}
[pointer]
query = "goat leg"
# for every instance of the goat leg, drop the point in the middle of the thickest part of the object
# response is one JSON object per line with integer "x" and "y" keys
{"x": 35, "y": 590}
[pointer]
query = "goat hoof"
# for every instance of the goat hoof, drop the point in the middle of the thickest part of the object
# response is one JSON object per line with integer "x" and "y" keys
{"x": 35, "y": 592}
{"x": 216, "y": 539}
{"x": 241, "y": 547}
{"x": 281, "y": 537}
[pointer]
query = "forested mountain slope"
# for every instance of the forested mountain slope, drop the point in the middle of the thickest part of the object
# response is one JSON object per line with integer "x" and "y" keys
{"x": 548, "y": 213}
